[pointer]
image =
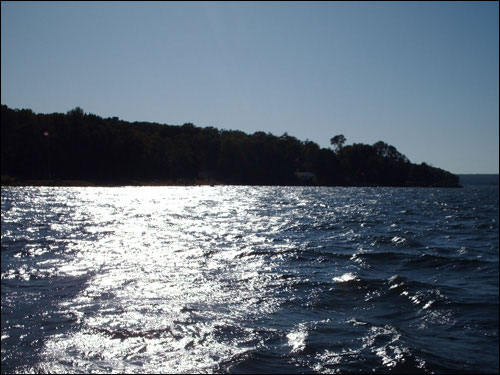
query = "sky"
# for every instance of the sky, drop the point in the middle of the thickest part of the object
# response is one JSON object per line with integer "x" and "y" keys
{"x": 421, "y": 76}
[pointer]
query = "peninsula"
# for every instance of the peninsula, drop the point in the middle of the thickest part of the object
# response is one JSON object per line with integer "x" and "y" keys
{"x": 78, "y": 148}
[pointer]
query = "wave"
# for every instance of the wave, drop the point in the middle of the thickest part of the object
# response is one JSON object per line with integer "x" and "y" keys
{"x": 251, "y": 280}
{"x": 346, "y": 277}
{"x": 442, "y": 261}
{"x": 123, "y": 333}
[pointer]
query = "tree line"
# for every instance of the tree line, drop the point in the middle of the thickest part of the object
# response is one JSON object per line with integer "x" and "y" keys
{"x": 84, "y": 146}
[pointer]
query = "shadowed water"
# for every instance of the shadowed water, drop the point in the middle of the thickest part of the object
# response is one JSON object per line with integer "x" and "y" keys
{"x": 245, "y": 279}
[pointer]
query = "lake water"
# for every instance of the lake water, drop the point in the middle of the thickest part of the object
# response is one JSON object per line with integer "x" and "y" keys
{"x": 238, "y": 279}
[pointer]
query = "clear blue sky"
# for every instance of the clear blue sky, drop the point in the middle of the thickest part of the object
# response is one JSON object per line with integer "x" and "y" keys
{"x": 422, "y": 76}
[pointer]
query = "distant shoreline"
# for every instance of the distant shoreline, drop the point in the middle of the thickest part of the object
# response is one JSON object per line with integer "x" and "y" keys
{"x": 478, "y": 179}
{"x": 10, "y": 181}
{"x": 83, "y": 149}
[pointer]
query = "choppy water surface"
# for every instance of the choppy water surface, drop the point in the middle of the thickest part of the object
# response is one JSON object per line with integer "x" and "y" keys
{"x": 249, "y": 280}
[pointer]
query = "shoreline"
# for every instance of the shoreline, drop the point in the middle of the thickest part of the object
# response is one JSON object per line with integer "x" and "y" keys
{"x": 94, "y": 183}
{"x": 10, "y": 181}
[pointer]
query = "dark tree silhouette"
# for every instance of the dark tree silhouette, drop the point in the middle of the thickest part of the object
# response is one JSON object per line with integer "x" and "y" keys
{"x": 76, "y": 112}
{"x": 85, "y": 146}
{"x": 338, "y": 142}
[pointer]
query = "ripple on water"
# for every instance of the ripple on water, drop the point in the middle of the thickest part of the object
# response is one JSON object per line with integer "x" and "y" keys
{"x": 249, "y": 279}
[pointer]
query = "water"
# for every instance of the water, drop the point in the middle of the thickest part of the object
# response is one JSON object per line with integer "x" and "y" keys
{"x": 242, "y": 279}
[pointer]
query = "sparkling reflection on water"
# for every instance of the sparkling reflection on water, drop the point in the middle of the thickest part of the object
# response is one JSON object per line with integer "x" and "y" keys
{"x": 252, "y": 279}
{"x": 169, "y": 274}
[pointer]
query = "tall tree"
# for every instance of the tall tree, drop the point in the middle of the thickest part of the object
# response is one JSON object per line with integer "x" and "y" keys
{"x": 337, "y": 142}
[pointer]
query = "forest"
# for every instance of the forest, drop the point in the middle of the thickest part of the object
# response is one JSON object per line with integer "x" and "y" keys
{"x": 86, "y": 147}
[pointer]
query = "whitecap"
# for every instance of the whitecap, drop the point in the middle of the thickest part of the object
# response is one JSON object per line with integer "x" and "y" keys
{"x": 345, "y": 277}
{"x": 399, "y": 240}
{"x": 428, "y": 304}
{"x": 297, "y": 340}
